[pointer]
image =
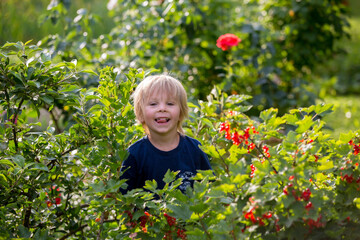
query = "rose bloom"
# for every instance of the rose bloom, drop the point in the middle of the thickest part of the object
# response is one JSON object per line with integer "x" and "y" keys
{"x": 227, "y": 41}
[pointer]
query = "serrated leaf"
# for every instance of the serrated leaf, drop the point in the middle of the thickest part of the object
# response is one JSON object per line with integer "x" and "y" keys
{"x": 113, "y": 185}
{"x": 24, "y": 232}
{"x": 345, "y": 137}
{"x": 323, "y": 109}
{"x": 170, "y": 176}
{"x": 181, "y": 211}
{"x": 304, "y": 124}
{"x": 227, "y": 187}
{"x": 151, "y": 185}
{"x": 268, "y": 114}
{"x": 326, "y": 164}
{"x": 291, "y": 137}
{"x": 199, "y": 208}
{"x": 97, "y": 187}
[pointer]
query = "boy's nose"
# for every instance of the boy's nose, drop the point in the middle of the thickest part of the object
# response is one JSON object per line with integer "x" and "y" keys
{"x": 162, "y": 107}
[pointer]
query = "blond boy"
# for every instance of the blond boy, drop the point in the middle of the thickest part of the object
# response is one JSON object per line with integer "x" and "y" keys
{"x": 160, "y": 104}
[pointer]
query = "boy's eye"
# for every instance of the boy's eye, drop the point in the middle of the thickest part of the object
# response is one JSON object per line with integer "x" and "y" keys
{"x": 170, "y": 103}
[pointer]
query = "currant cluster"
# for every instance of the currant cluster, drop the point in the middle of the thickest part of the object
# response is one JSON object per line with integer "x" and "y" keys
{"x": 305, "y": 195}
{"x": 236, "y": 137}
{"x": 312, "y": 223}
{"x": 356, "y": 148}
{"x": 252, "y": 174}
{"x": 259, "y": 220}
{"x": 180, "y": 233}
{"x": 143, "y": 220}
{"x": 54, "y": 196}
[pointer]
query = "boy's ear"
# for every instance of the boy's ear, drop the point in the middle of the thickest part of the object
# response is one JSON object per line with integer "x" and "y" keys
{"x": 140, "y": 118}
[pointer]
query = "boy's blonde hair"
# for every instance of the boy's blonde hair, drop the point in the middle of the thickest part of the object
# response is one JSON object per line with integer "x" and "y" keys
{"x": 160, "y": 83}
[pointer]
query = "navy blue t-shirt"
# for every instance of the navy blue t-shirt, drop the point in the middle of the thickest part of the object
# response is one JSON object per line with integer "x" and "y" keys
{"x": 146, "y": 162}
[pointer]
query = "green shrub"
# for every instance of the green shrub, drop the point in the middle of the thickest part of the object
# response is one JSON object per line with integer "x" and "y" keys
{"x": 276, "y": 177}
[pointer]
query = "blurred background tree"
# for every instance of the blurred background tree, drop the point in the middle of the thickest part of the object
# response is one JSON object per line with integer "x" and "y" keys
{"x": 284, "y": 59}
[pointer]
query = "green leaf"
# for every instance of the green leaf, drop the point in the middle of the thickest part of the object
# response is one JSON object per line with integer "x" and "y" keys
{"x": 49, "y": 100}
{"x": 24, "y": 232}
{"x": 291, "y": 137}
{"x": 357, "y": 202}
{"x": 97, "y": 187}
{"x": 207, "y": 122}
{"x": 181, "y": 211}
{"x": 151, "y": 185}
{"x": 40, "y": 166}
{"x": 170, "y": 176}
{"x": 3, "y": 180}
{"x": 8, "y": 44}
{"x": 345, "y": 137}
{"x": 191, "y": 105}
{"x": 113, "y": 185}
{"x": 304, "y": 124}
{"x": 326, "y": 164}
{"x": 199, "y": 208}
{"x": 6, "y": 162}
{"x": 19, "y": 160}
{"x": 89, "y": 71}
{"x": 126, "y": 109}
{"x": 227, "y": 187}
{"x": 34, "y": 84}
{"x": 268, "y": 114}
{"x": 323, "y": 109}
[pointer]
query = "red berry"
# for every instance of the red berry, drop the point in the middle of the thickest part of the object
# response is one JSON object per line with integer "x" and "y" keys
{"x": 306, "y": 195}
{"x": 308, "y": 205}
{"x": 57, "y": 201}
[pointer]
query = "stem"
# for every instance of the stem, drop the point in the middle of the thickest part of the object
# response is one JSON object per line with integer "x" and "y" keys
{"x": 73, "y": 232}
{"x": 56, "y": 122}
{"x": 26, "y": 222}
{"x": 222, "y": 159}
{"x": 14, "y": 125}
{"x": 102, "y": 215}
{"x": 262, "y": 153}
{"x": 205, "y": 230}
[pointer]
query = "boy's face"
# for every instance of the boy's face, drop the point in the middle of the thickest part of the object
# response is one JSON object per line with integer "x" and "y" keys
{"x": 161, "y": 114}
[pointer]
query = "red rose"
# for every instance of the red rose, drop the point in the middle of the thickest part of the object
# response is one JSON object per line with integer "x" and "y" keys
{"x": 227, "y": 41}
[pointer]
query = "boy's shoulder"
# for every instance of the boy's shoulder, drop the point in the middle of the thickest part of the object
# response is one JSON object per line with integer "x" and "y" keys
{"x": 139, "y": 144}
{"x": 192, "y": 142}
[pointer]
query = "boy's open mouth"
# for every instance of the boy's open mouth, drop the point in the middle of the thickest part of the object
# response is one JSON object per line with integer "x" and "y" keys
{"x": 162, "y": 120}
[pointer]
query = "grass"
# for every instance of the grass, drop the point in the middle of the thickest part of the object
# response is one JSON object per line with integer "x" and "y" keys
{"x": 346, "y": 115}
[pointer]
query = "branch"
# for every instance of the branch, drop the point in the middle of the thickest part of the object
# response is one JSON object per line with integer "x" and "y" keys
{"x": 58, "y": 130}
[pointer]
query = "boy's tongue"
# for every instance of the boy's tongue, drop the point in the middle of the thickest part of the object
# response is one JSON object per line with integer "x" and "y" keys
{"x": 161, "y": 120}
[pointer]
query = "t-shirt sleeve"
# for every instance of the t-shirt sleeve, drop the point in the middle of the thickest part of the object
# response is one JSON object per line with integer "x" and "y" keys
{"x": 129, "y": 172}
{"x": 205, "y": 164}
{"x": 204, "y": 160}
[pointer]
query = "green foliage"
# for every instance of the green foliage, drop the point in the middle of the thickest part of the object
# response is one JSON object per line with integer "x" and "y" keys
{"x": 180, "y": 37}
{"x": 275, "y": 176}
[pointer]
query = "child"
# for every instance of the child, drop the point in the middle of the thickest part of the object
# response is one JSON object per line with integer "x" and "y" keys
{"x": 160, "y": 104}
